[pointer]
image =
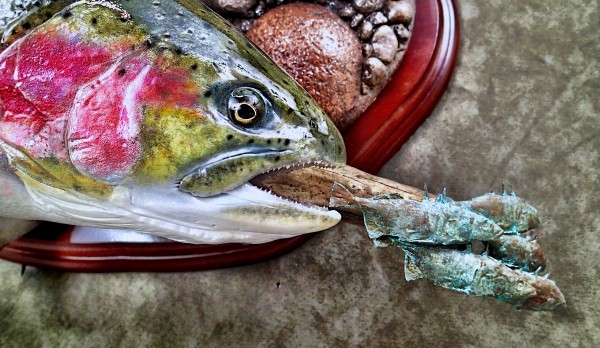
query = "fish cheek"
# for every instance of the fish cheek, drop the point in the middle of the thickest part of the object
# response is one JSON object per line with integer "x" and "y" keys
{"x": 174, "y": 141}
{"x": 225, "y": 176}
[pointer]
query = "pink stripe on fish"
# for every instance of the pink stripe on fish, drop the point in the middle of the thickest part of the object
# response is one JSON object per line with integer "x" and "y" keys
{"x": 39, "y": 77}
{"x": 104, "y": 127}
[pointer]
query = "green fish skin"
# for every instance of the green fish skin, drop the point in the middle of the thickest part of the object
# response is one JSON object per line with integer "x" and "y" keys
{"x": 480, "y": 276}
{"x": 510, "y": 212}
{"x": 426, "y": 222}
{"x": 153, "y": 116}
{"x": 524, "y": 253}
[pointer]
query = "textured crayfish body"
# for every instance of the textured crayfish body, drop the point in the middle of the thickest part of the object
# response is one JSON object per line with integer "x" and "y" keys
{"x": 426, "y": 222}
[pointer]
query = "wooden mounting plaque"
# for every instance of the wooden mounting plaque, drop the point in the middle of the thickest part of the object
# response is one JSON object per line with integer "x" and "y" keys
{"x": 402, "y": 106}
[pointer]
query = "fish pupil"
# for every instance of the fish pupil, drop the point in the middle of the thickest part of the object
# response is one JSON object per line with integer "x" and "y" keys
{"x": 246, "y": 106}
{"x": 246, "y": 112}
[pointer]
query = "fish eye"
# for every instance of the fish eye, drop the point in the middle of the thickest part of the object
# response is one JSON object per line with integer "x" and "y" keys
{"x": 246, "y": 106}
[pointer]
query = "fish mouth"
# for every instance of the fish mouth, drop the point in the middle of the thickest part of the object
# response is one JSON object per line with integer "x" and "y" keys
{"x": 240, "y": 153}
{"x": 253, "y": 213}
{"x": 226, "y": 171}
{"x": 297, "y": 189}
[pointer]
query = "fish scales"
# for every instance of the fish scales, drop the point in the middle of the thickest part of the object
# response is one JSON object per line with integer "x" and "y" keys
{"x": 479, "y": 275}
{"x": 427, "y": 222}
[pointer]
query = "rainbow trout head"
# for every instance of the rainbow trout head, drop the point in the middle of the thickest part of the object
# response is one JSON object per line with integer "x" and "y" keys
{"x": 119, "y": 115}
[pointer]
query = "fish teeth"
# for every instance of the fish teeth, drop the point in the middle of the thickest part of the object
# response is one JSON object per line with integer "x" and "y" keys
{"x": 291, "y": 201}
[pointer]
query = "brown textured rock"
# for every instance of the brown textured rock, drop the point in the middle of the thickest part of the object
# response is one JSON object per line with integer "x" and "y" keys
{"x": 385, "y": 44}
{"x": 367, "y": 6}
{"x": 375, "y": 72}
{"x": 400, "y": 12}
{"x": 318, "y": 49}
{"x": 231, "y": 6}
{"x": 365, "y": 30}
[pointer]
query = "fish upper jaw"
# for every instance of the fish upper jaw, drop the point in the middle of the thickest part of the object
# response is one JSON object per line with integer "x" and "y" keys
{"x": 231, "y": 168}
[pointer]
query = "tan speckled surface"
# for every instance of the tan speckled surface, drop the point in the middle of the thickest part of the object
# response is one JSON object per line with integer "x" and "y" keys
{"x": 523, "y": 108}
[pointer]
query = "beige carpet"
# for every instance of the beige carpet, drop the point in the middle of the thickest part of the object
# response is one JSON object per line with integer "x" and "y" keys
{"x": 523, "y": 108}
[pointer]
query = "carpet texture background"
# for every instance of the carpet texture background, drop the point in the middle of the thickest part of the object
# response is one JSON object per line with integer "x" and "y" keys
{"x": 523, "y": 108}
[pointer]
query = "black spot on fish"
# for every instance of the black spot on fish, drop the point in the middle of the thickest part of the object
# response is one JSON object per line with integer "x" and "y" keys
{"x": 269, "y": 141}
{"x": 287, "y": 142}
{"x": 207, "y": 94}
{"x": 279, "y": 141}
{"x": 67, "y": 15}
{"x": 26, "y": 25}
{"x": 195, "y": 67}
{"x": 229, "y": 136}
{"x": 121, "y": 72}
{"x": 94, "y": 21}
{"x": 277, "y": 158}
{"x": 322, "y": 142}
{"x": 250, "y": 141}
{"x": 178, "y": 50}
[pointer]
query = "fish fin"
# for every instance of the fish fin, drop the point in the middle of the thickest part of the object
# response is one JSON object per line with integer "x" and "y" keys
{"x": 51, "y": 172}
{"x": 341, "y": 197}
{"x": 411, "y": 270}
{"x": 441, "y": 198}
{"x": 425, "y": 193}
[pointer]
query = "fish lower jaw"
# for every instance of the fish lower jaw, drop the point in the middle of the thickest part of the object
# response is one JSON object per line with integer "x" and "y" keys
{"x": 245, "y": 214}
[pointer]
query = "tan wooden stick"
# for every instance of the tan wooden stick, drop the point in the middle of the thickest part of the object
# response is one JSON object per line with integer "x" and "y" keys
{"x": 312, "y": 185}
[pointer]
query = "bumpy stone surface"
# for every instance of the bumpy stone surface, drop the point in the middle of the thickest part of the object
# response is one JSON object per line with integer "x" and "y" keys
{"x": 402, "y": 33}
{"x": 523, "y": 111}
{"x": 365, "y": 17}
{"x": 231, "y": 6}
{"x": 374, "y": 72}
{"x": 377, "y": 18}
{"x": 365, "y": 30}
{"x": 366, "y": 6}
{"x": 400, "y": 12}
{"x": 317, "y": 49}
{"x": 356, "y": 20}
{"x": 385, "y": 44}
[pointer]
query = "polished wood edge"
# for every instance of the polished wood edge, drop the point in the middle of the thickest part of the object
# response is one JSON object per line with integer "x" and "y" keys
{"x": 143, "y": 257}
